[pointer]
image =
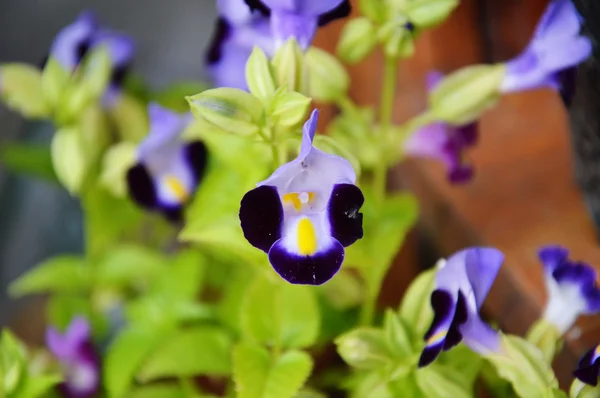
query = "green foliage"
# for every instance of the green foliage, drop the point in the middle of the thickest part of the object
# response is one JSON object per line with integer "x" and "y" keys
{"x": 22, "y": 90}
{"x": 546, "y": 337}
{"x": 415, "y": 308}
{"x": 129, "y": 117}
{"x": 259, "y": 375}
{"x": 259, "y": 76}
{"x": 63, "y": 274}
{"x": 30, "y": 160}
{"x": 289, "y": 67}
{"x": 582, "y": 390}
{"x": 357, "y": 41}
{"x": 69, "y": 161}
{"x": 328, "y": 81}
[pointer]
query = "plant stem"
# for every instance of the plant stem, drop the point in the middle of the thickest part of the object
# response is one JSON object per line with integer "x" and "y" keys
{"x": 367, "y": 311}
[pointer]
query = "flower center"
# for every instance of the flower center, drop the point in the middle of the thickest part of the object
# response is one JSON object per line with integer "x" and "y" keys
{"x": 307, "y": 237}
{"x": 298, "y": 199}
{"x": 177, "y": 188}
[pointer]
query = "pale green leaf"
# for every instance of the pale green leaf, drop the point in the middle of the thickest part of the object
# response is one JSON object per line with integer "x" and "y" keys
{"x": 290, "y": 67}
{"x": 357, "y": 41}
{"x": 63, "y": 274}
{"x": 55, "y": 79}
{"x": 398, "y": 335}
{"x": 438, "y": 381}
{"x": 117, "y": 161}
{"x": 184, "y": 276}
{"x": 365, "y": 348}
{"x": 428, "y": 13}
{"x": 68, "y": 158}
{"x": 130, "y": 265}
{"x": 36, "y": 386}
{"x": 259, "y": 76}
{"x": 158, "y": 391}
{"x": 130, "y": 118}
{"x": 289, "y": 108}
{"x": 30, "y": 160}
{"x": 173, "y": 96}
{"x": 581, "y": 390}
{"x": 415, "y": 307}
{"x": 22, "y": 90}
{"x": 327, "y": 78}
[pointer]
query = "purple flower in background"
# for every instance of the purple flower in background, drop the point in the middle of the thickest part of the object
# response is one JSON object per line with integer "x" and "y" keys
{"x": 237, "y": 31}
{"x": 305, "y": 213}
{"x": 444, "y": 142}
{"x": 556, "y": 48}
{"x": 75, "y": 351}
{"x": 74, "y": 42}
{"x": 572, "y": 289}
{"x": 168, "y": 170}
{"x": 300, "y": 18}
{"x": 588, "y": 370}
{"x": 461, "y": 286}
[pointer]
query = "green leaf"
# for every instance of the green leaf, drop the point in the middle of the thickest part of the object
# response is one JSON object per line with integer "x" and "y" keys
{"x": 581, "y": 390}
{"x": 398, "y": 40}
{"x": 256, "y": 375}
{"x": 290, "y": 67}
{"x": 37, "y": 386}
{"x": 63, "y": 274}
{"x": 130, "y": 265}
{"x": 259, "y": 76}
{"x": 12, "y": 363}
{"x": 280, "y": 314}
{"x": 438, "y": 381}
{"x": 124, "y": 356}
{"x": 397, "y": 334}
{"x": 173, "y": 97}
{"x": 55, "y": 79}
{"x": 364, "y": 348}
{"x": 190, "y": 352}
{"x": 415, "y": 308}
{"x": 357, "y": 41}
{"x": 232, "y": 110}
{"x": 327, "y": 79}
{"x": 68, "y": 158}
{"x": 373, "y": 9}
{"x": 289, "y": 108}
{"x": 429, "y": 13}
{"x": 344, "y": 291}
{"x": 62, "y": 308}
{"x": 464, "y": 95}
{"x": 158, "y": 391}
{"x": 31, "y": 160}
{"x": 523, "y": 365}
{"x": 184, "y": 276}
{"x": 469, "y": 362}
{"x": 375, "y": 385}
{"x": 117, "y": 161}
{"x": 546, "y": 337}
{"x": 97, "y": 69}
{"x": 22, "y": 90}
{"x": 130, "y": 118}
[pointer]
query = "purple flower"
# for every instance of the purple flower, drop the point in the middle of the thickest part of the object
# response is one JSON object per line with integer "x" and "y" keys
{"x": 461, "y": 286}
{"x": 556, "y": 47}
{"x": 75, "y": 351}
{"x": 444, "y": 142}
{"x": 74, "y": 42}
{"x": 299, "y": 18}
{"x": 168, "y": 170}
{"x": 572, "y": 289}
{"x": 237, "y": 31}
{"x": 588, "y": 370}
{"x": 305, "y": 213}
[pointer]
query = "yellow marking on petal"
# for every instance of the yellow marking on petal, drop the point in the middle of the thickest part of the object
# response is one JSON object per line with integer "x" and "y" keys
{"x": 298, "y": 199}
{"x": 597, "y": 352}
{"x": 177, "y": 188}
{"x": 437, "y": 337}
{"x": 307, "y": 237}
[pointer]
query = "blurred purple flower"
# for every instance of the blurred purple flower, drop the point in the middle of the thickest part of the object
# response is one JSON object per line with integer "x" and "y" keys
{"x": 588, "y": 370}
{"x": 305, "y": 213}
{"x": 75, "y": 351}
{"x": 444, "y": 142}
{"x": 74, "y": 42}
{"x": 168, "y": 170}
{"x": 237, "y": 31}
{"x": 572, "y": 289}
{"x": 299, "y": 18}
{"x": 557, "y": 47}
{"x": 461, "y": 286}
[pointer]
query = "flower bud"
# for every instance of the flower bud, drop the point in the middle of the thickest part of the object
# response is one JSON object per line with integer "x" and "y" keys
{"x": 289, "y": 108}
{"x": 68, "y": 158}
{"x": 428, "y": 13}
{"x": 21, "y": 90}
{"x": 289, "y": 67}
{"x": 327, "y": 79}
{"x": 358, "y": 39}
{"x": 364, "y": 348}
{"x": 259, "y": 76}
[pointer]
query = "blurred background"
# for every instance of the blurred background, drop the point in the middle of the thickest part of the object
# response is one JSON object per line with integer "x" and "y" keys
{"x": 38, "y": 219}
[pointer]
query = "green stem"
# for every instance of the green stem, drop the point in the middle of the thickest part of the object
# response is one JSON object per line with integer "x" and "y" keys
{"x": 367, "y": 311}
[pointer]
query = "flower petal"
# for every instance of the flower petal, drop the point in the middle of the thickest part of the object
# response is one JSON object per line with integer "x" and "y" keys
{"x": 221, "y": 32}
{"x": 165, "y": 127}
{"x": 261, "y": 217}
{"x": 286, "y": 24}
{"x": 341, "y": 11}
{"x": 344, "y": 218}
{"x": 196, "y": 156}
{"x": 235, "y": 11}
{"x": 303, "y": 7}
{"x": 479, "y": 336}
{"x": 120, "y": 47}
{"x": 433, "y": 78}
{"x": 583, "y": 277}
{"x": 141, "y": 186}
{"x": 482, "y": 265}
{"x": 560, "y": 19}
{"x": 72, "y": 42}
{"x": 552, "y": 257}
{"x": 588, "y": 370}
{"x": 558, "y": 55}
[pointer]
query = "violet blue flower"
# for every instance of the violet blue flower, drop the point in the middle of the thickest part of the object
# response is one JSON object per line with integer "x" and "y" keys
{"x": 75, "y": 351}
{"x": 305, "y": 213}
{"x": 74, "y": 42}
{"x": 237, "y": 31}
{"x": 444, "y": 142}
{"x": 588, "y": 370}
{"x": 572, "y": 289}
{"x": 300, "y": 18}
{"x": 557, "y": 46}
{"x": 461, "y": 286}
{"x": 168, "y": 170}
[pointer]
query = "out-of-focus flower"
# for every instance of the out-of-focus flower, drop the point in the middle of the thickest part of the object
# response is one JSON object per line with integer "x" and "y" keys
{"x": 461, "y": 286}
{"x": 588, "y": 370}
{"x": 557, "y": 47}
{"x": 74, "y": 42}
{"x": 572, "y": 289}
{"x": 237, "y": 31}
{"x": 305, "y": 213}
{"x": 75, "y": 351}
{"x": 299, "y": 18}
{"x": 444, "y": 142}
{"x": 168, "y": 170}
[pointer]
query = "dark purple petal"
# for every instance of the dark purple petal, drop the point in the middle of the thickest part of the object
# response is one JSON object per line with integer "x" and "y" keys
{"x": 467, "y": 135}
{"x": 552, "y": 257}
{"x": 341, "y": 11}
{"x": 345, "y": 220}
{"x": 196, "y": 156}
{"x": 460, "y": 174}
{"x": 141, "y": 186}
{"x": 221, "y": 32}
{"x": 257, "y": 5}
{"x": 583, "y": 276}
{"x": 588, "y": 370}
{"x": 454, "y": 335}
{"x": 73, "y": 41}
{"x": 87, "y": 363}
{"x": 430, "y": 353}
{"x": 261, "y": 217}
{"x": 306, "y": 270}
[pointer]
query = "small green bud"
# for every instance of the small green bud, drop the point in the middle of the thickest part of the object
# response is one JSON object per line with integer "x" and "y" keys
{"x": 327, "y": 79}
{"x": 117, "y": 161}
{"x": 397, "y": 38}
{"x": 68, "y": 158}
{"x": 232, "y": 110}
{"x": 372, "y": 9}
{"x": 289, "y": 108}
{"x": 364, "y": 348}
{"x": 581, "y": 390}
{"x": 21, "y": 90}
{"x": 259, "y": 76}
{"x": 55, "y": 80}
{"x": 96, "y": 72}
{"x": 290, "y": 67}
{"x": 429, "y": 13}
{"x": 464, "y": 95}
{"x": 358, "y": 39}
{"x": 546, "y": 337}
